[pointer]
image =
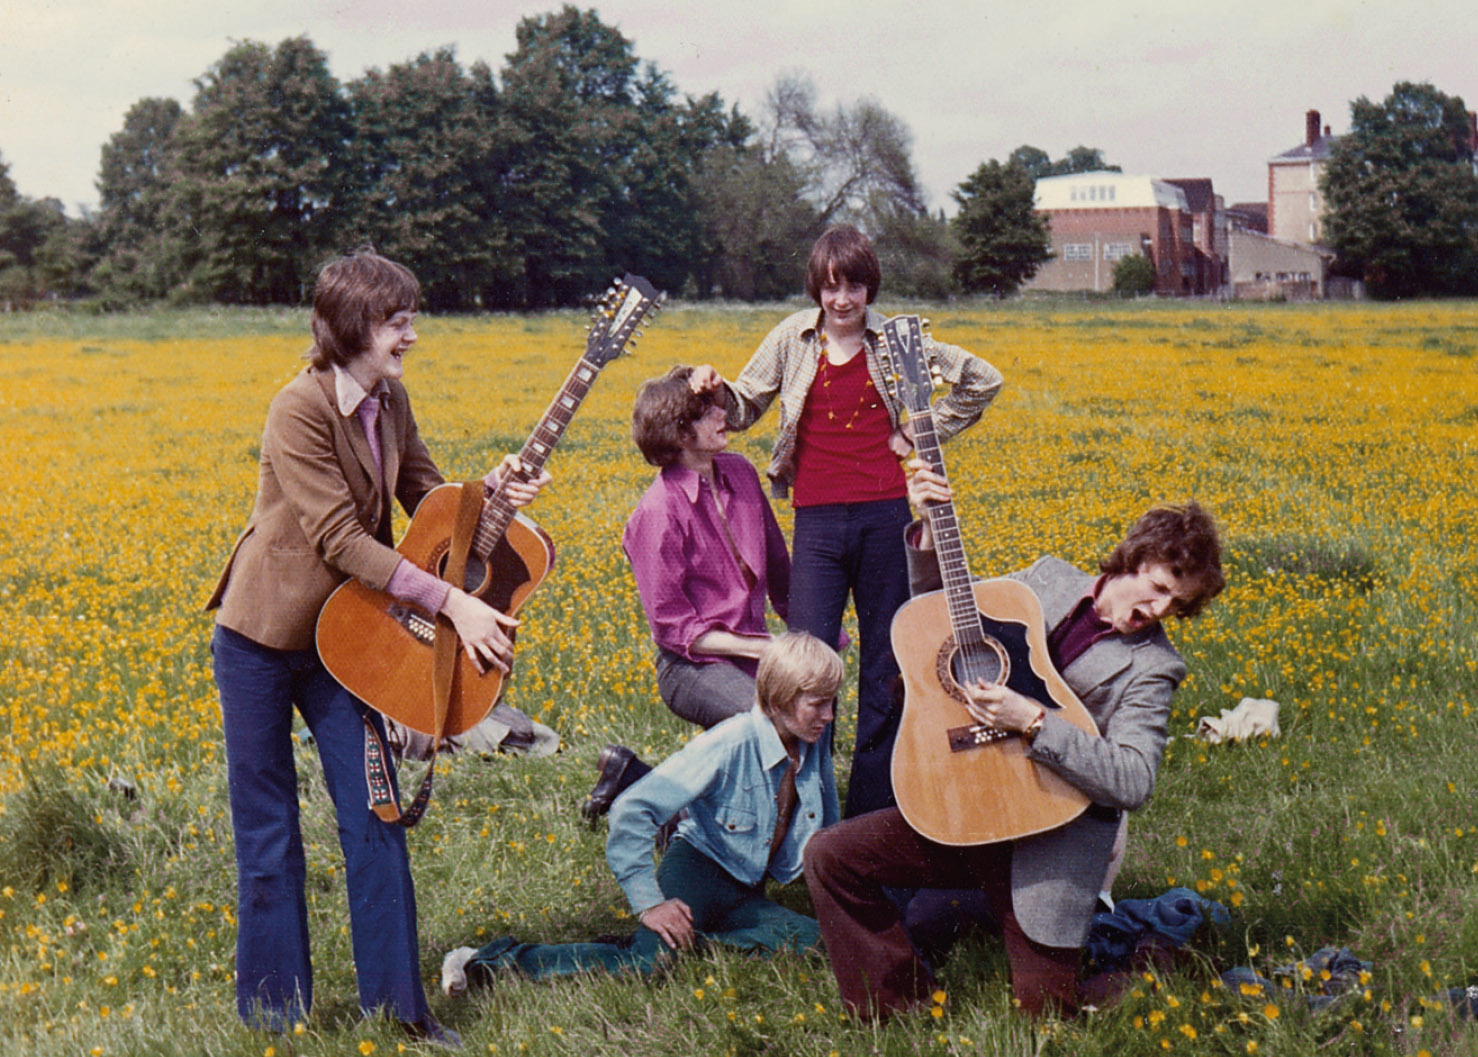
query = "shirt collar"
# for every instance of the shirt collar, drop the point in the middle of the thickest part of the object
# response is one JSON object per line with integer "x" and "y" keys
{"x": 772, "y": 749}
{"x": 690, "y": 481}
{"x": 349, "y": 394}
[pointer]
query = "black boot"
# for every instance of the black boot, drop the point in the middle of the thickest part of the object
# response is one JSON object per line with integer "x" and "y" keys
{"x": 618, "y": 767}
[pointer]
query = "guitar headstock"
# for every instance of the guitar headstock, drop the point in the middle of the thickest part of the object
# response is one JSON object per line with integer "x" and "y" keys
{"x": 907, "y": 366}
{"x": 620, "y": 312}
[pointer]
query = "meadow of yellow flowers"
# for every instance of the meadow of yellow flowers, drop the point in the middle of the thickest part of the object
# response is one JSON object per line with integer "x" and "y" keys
{"x": 1335, "y": 444}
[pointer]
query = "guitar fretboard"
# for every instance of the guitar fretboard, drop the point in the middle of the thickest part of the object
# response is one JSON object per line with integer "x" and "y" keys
{"x": 964, "y": 618}
{"x": 499, "y": 511}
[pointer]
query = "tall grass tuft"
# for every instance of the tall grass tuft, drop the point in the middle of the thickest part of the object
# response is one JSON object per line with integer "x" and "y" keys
{"x": 53, "y": 838}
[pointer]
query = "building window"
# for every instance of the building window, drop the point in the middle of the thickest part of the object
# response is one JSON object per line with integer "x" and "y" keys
{"x": 1113, "y": 251}
{"x": 1077, "y": 251}
{"x": 1093, "y": 193}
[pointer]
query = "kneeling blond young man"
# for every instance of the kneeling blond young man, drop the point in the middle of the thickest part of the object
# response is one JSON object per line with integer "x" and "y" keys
{"x": 756, "y": 788}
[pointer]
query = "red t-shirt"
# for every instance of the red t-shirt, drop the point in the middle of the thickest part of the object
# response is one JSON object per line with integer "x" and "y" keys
{"x": 842, "y": 453}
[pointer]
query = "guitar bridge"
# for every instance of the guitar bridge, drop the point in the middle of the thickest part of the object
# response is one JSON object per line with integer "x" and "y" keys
{"x": 421, "y": 627}
{"x": 962, "y": 739}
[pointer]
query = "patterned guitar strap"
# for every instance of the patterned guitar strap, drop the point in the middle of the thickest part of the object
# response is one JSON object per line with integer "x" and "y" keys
{"x": 382, "y": 798}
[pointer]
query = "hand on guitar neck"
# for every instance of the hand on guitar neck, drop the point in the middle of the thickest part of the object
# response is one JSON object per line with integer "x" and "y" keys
{"x": 518, "y": 489}
{"x": 990, "y": 703}
{"x": 925, "y": 487}
{"x": 483, "y": 629}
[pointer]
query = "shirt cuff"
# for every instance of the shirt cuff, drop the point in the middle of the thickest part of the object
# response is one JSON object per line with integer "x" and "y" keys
{"x": 415, "y": 585}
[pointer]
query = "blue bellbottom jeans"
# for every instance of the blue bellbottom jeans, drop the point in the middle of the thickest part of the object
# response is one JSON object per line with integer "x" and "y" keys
{"x": 857, "y": 549}
{"x": 259, "y": 688}
{"x": 724, "y": 911}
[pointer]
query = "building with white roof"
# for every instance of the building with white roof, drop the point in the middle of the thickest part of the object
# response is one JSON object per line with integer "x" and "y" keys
{"x": 1099, "y": 218}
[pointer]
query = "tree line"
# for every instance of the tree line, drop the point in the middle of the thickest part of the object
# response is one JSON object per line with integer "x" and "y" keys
{"x": 523, "y": 190}
{"x": 530, "y": 188}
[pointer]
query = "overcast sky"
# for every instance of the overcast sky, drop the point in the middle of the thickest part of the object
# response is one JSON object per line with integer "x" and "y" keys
{"x": 1164, "y": 88}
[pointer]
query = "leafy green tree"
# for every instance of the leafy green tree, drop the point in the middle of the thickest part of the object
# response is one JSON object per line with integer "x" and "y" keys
{"x": 1002, "y": 240}
{"x": 426, "y": 170}
{"x": 1037, "y": 164}
{"x": 603, "y": 162}
{"x": 140, "y": 254}
{"x": 1401, "y": 195}
{"x": 918, "y": 253}
{"x": 1134, "y": 276}
{"x": 568, "y": 104}
{"x": 757, "y": 224}
{"x": 654, "y": 223}
{"x": 39, "y": 246}
{"x": 261, "y": 174}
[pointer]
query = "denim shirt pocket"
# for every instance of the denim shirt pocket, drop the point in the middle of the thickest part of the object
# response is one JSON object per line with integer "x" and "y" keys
{"x": 736, "y": 822}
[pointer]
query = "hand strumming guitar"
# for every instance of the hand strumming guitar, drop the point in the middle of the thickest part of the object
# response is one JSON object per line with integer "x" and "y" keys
{"x": 1001, "y": 707}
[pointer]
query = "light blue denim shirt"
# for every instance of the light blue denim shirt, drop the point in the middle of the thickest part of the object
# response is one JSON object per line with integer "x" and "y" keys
{"x": 728, "y": 778}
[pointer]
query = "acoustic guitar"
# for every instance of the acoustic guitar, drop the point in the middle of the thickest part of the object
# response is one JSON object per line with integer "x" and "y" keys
{"x": 380, "y": 648}
{"x": 958, "y": 781}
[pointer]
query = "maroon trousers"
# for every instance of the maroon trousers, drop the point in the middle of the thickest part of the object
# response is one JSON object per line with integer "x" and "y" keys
{"x": 848, "y": 866}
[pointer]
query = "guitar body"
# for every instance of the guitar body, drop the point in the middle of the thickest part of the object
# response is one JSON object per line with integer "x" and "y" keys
{"x": 381, "y": 649}
{"x": 958, "y": 782}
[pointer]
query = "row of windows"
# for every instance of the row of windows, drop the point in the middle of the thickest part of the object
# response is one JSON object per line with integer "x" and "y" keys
{"x": 1083, "y": 251}
{"x": 1095, "y": 193}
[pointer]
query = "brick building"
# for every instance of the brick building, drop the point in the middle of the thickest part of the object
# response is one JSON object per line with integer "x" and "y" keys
{"x": 1098, "y": 218}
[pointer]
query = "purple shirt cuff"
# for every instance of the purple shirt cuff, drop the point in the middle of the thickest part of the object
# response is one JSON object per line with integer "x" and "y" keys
{"x": 415, "y": 585}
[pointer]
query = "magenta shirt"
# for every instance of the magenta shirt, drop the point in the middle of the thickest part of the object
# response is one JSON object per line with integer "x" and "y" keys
{"x": 686, "y": 572}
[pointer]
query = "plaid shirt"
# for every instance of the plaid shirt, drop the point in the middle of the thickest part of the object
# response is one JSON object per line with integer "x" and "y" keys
{"x": 785, "y": 365}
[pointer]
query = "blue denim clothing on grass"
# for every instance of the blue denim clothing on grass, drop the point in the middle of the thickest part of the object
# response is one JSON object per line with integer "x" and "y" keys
{"x": 724, "y": 912}
{"x": 259, "y": 688}
{"x": 1343, "y": 967}
{"x": 727, "y": 778}
{"x": 1175, "y": 914}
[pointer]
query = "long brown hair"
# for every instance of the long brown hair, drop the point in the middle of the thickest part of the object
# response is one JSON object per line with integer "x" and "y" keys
{"x": 843, "y": 252}
{"x": 352, "y": 295}
{"x": 1184, "y": 538}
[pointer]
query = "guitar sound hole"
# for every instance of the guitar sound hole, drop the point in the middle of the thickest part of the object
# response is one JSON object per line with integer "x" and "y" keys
{"x": 981, "y": 662}
{"x": 475, "y": 577}
{"x": 961, "y": 664}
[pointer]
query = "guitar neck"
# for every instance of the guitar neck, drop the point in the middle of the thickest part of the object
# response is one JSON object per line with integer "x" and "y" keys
{"x": 498, "y": 511}
{"x": 944, "y": 525}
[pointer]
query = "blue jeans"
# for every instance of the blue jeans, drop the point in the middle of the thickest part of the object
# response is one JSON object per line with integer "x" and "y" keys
{"x": 724, "y": 910}
{"x": 259, "y": 687}
{"x": 857, "y": 549}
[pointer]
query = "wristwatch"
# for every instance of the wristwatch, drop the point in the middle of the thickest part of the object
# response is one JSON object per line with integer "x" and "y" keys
{"x": 1029, "y": 735}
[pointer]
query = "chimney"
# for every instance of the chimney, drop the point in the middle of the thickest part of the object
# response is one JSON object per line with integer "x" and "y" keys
{"x": 1311, "y": 127}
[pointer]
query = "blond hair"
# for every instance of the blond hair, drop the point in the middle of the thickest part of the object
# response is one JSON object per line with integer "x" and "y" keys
{"x": 793, "y": 664}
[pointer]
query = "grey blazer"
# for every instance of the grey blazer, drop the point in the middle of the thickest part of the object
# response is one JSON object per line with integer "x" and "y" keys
{"x": 1125, "y": 682}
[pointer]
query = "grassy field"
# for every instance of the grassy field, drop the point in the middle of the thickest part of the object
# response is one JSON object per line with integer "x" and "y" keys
{"x": 1335, "y": 443}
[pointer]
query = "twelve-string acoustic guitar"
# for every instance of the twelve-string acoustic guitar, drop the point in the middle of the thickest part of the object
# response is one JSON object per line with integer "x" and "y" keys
{"x": 382, "y": 649}
{"x": 958, "y": 781}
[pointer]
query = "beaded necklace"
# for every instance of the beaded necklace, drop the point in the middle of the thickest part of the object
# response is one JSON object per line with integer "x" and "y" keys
{"x": 825, "y": 374}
